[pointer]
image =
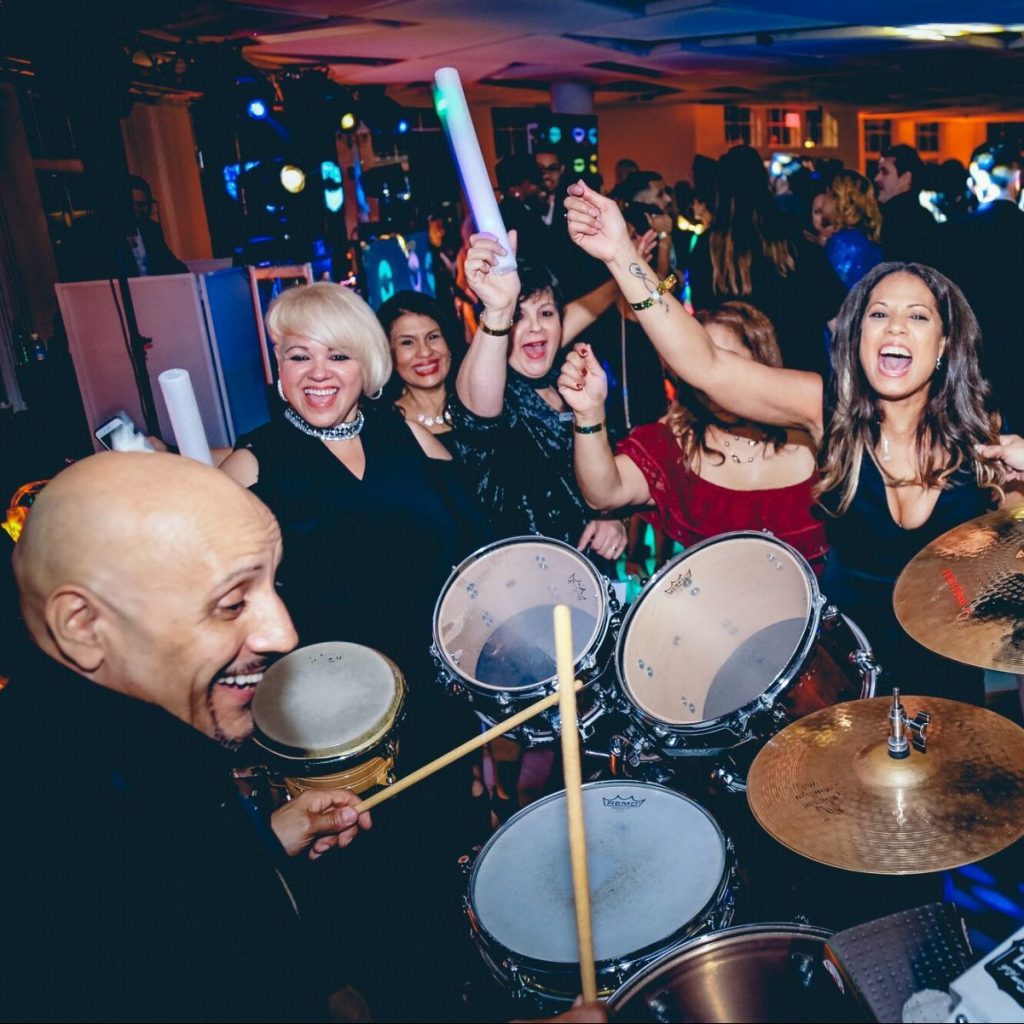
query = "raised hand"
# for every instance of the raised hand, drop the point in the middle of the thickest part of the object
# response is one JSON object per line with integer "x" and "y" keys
{"x": 583, "y": 384}
{"x": 498, "y": 292}
{"x": 595, "y": 223}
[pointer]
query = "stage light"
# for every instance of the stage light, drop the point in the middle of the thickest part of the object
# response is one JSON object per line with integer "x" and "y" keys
{"x": 579, "y": 165}
{"x": 555, "y": 134}
{"x": 402, "y": 127}
{"x": 592, "y": 136}
{"x": 293, "y": 179}
{"x": 256, "y": 109}
{"x": 347, "y": 121}
{"x": 579, "y": 135}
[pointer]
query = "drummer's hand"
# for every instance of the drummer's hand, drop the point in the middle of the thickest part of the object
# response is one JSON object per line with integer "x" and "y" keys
{"x": 1009, "y": 451}
{"x": 596, "y": 224}
{"x": 606, "y": 537}
{"x": 320, "y": 819}
{"x": 581, "y": 1013}
{"x": 583, "y": 384}
{"x": 498, "y": 292}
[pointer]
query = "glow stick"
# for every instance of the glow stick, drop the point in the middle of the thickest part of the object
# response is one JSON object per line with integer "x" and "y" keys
{"x": 450, "y": 103}
{"x": 183, "y": 409}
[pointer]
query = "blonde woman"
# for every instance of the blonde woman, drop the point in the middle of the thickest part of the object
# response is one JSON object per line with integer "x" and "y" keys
{"x": 853, "y": 247}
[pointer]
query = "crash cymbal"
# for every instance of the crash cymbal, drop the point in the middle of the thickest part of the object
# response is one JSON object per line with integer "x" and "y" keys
{"x": 827, "y": 787}
{"x": 963, "y": 595}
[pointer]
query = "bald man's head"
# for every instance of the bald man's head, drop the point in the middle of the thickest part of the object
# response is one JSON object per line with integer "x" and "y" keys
{"x": 153, "y": 575}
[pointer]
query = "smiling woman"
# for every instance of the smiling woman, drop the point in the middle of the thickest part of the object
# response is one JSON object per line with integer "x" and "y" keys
{"x": 896, "y": 430}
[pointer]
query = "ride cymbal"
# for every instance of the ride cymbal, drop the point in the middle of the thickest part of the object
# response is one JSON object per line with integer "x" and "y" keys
{"x": 827, "y": 787}
{"x": 963, "y": 595}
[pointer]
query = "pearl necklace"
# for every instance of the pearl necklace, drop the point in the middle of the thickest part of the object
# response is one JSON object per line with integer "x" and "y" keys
{"x": 432, "y": 421}
{"x": 339, "y": 432}
{"x": 751, "y": 442}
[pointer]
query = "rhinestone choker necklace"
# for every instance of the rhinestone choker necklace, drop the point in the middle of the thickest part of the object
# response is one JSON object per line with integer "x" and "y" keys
{"x": 339, "y": 432}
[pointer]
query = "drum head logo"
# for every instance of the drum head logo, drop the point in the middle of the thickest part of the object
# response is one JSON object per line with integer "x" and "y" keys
{"x": 623, "y": 801}
{"x": 682, "y": 582}
{"x": 1008, "y": 971}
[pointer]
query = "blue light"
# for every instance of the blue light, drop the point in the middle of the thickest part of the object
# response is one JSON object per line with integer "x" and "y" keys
{"x": 592, "y": 136}
{"x": 402, "y": 127}
{"x": 578, "y": 135}
{"x": 256, "y": 109}
{"x": 555, "y": 134}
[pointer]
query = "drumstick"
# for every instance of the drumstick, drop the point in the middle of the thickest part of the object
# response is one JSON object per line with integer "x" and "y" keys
{"x": 510, "y": 723}
{"x": 574, "y": 799}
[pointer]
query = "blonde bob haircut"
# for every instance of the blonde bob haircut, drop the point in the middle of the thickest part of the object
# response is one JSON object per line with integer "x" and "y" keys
{"x": 338, "y": 318}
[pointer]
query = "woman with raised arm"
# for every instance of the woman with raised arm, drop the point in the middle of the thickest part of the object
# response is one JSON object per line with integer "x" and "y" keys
{"x": 897, "y": 432}
{"x": 508, "y": 400}
{"x": 700, "y": 470}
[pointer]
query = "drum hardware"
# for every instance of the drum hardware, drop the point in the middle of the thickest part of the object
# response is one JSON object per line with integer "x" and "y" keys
{"x": 731, "y": 782}
{"x": 663, "y": 872}
{"x": 493, "y": 644}
{"x": 962, "y": 596}
{"x": 899, "y": 748}
{"x": 831, "y": 788}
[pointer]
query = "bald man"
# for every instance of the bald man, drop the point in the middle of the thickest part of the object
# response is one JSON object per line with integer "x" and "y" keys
{"x": 136, "y": 883}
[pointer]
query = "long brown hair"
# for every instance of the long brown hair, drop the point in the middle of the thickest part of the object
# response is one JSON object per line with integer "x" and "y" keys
{"x": 747, "y": 221}
{"x": 856, "y": 205}
{"x": 955, "y": 418}
{"x": 689, "y": 416}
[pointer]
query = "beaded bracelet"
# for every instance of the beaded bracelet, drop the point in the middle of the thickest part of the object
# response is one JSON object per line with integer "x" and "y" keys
{"x": 501, "y": 333}
{"x": 667, "y": 285}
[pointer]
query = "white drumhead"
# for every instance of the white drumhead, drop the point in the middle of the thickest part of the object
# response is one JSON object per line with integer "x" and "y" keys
{"x": 493, "y": 622}
{"x": 327, "y": 698}
{"x": 716, "y": 628}
{"x": 655, "y": 860}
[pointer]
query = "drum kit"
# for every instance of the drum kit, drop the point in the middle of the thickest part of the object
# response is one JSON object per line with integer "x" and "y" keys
{"x": 730, "y": 659}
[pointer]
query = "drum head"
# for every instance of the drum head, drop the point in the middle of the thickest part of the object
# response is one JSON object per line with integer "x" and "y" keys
{"x": 716, "y": 628}
{"x": 655, "y": 858}
{"x": 493, "y": 622}
{"x": 327, "y": 699}
{"x": 756, "y": 973}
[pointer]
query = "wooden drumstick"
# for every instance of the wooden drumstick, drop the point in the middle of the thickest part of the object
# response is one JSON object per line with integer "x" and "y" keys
{"x": 573, "y": 776}
{"x": 510, "y": 723}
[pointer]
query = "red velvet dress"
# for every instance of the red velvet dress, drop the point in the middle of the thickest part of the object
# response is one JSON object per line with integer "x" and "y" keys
{"x": 689, "y": 509}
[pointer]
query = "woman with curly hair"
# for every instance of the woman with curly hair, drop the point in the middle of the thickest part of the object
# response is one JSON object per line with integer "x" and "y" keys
{"x": 853, "y": 248}
{"x": 898, "y": 429}
{"x": 700, "y": 470}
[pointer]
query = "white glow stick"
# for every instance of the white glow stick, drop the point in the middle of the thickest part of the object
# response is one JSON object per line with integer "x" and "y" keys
{"x": 186, "y": 422}
{"x": 450, "y": 101}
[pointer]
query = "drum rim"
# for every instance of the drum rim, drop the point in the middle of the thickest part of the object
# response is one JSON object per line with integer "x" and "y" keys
{"x": 524, "y": 960}
{"x": 542, "y": 685}
{"x": 781, "y": 681}
{"x": 632, "y": 985}
{"x": 340, "y": 752}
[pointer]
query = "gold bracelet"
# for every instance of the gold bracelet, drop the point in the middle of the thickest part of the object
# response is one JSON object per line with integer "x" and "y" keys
{"x": 667, "y": 285}
{"x": 595, "y": 429}
{"x": 503, "y": 333}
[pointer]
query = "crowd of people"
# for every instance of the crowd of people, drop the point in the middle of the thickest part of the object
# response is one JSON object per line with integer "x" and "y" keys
{"x": 849, "y": 381}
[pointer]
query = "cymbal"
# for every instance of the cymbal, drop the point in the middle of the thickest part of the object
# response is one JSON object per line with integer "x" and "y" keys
{"x": 963, "y": 595}
{"x": 827, "y": 788}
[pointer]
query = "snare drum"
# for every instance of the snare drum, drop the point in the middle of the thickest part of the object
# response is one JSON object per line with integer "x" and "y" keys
{"x": 755, "y": 973}
{"x": 327, "y": 715}
{"x": 660, "y": 871}
{"x": 494, "y": 640}
{"x": 730, "y": 641}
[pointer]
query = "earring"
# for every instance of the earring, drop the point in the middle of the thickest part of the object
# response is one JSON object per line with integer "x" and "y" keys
{"x": 376, "y": 394}
{"x": 280, "y": 391}
{"x": 938, "y": 363}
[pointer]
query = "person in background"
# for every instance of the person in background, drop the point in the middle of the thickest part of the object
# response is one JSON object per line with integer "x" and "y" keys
{"x": 623, "y": 169}
{"x": 823, "y": 211}
{"x": 853, "y": 244}
{"x": 754, "y": 253}
{"x": 699, "y": 470}
{"x": 149, "y": 248}
{"x": 908, "y": 230}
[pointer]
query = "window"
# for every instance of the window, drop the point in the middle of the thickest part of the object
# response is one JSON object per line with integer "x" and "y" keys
{"x": 877, "y": 134}
{"x": 737, "y": 125}
{"x": 1010, "y": 132}
{"x": 782, "y": 127}
{"x": 927, "y": 137}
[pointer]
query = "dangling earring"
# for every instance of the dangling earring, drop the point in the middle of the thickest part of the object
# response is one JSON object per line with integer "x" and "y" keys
{"x": 376, "y": 394}
{"x": 938, "y": 363}
{"x": 280, "y": 391}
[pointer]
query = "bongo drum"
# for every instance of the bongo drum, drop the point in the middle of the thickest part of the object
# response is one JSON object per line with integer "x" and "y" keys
{"x": 327, "y": 715}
